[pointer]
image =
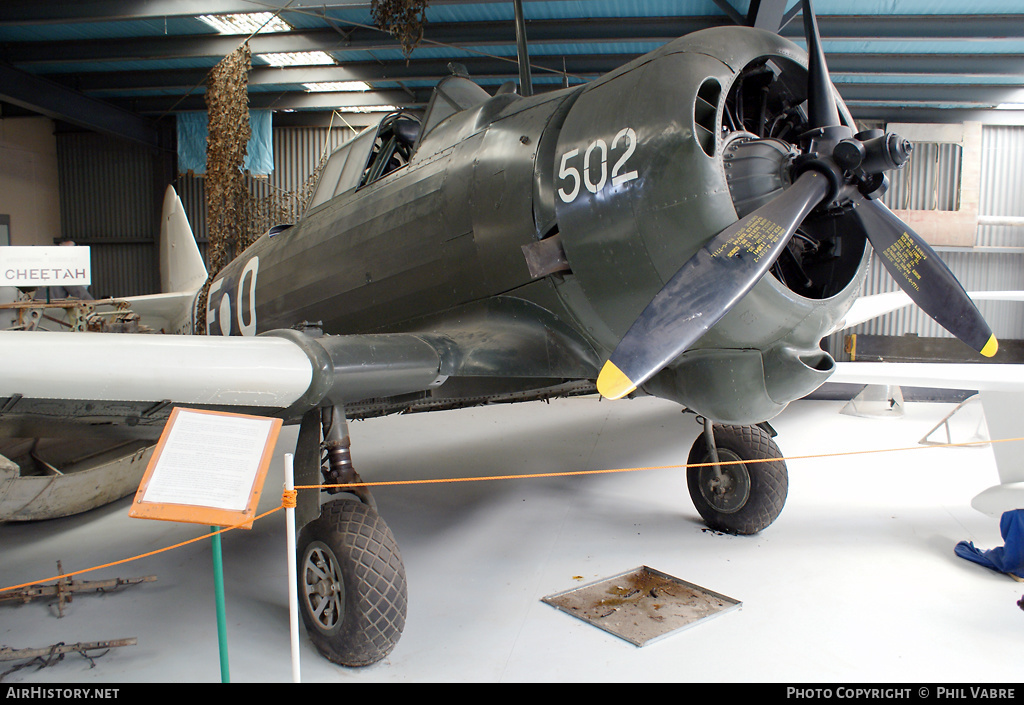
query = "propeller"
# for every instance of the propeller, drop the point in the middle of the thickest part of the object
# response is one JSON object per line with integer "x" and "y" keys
{"x": 707, "y": 286}
{"x": 837, "y": 167}
{"x": 924, "y": 277}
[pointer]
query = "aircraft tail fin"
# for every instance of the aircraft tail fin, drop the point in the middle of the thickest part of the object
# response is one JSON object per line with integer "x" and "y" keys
{"x": 182, "y": 273}
{"x": 181, "y": 264}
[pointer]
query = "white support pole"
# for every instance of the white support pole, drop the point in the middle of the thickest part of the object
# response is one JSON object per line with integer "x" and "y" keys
{"x": 293, "y": 595}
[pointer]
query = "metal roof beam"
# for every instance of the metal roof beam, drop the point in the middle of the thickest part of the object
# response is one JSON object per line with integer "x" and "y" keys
{"x": 966, "y": 95}
{"x": 60, "y": 103}
{"x": 766, "y": 14}
{"x": 168, "y": 47}
{"x": 359, "y": 39}
{"x": 293, "y": 100}
{"x": 913, "y": 27}
{"x": 584, "y": 65}
{"x": 963, "y": 95}
{"x": 902, "y": 113}
{"x": 933, "y": 64}
{"x": 731, "y": 12}
{"x": 587, "y": 66}
{"x": 48, "y": 11}
{"x": 462, "y": 34}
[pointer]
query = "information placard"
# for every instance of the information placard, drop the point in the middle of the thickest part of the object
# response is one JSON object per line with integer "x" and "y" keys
{"x": 208, "y": 468}
{"x": 45, "y": 266}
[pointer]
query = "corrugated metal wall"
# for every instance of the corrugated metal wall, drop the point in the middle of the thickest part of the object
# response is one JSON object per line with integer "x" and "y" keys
{"x": 108, "y": 201}
{"x": 996, "y": 263}
{"x": 1002, "y": 185}
{"x": 929, "y": 181}
{"x": 111, "y": 193}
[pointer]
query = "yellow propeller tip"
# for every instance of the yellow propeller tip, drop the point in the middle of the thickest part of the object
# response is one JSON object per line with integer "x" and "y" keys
{"x": 612, "y": 383}
{"x": 991, "y": 347}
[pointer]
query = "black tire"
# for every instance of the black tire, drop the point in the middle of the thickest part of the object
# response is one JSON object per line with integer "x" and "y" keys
{"x": 751, "y": 495}
{"x": 352, "y": 589}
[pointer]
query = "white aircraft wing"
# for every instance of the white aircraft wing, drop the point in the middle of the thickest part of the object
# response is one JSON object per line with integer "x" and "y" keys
{"x": 1001, "y": 389}
{"x": 51, "y": 379}
{"x": 868, "y": 307}
{"x": 934, "y": 375}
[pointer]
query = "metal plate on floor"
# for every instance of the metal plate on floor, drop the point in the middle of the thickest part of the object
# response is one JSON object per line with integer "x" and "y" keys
{"x": 642, "y": 605}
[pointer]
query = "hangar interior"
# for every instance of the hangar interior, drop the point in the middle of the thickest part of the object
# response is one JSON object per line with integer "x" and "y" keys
{"x": 856, "y": 582}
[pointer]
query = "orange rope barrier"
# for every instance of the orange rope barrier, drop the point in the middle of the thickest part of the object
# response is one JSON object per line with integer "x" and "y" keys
{"x": 290, "y": 496}
{"x": 143, "y": 555}
{"x": 571, "y": 473}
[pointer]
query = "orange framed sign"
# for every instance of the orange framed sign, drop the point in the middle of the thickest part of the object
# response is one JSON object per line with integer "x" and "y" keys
{"x": 208, "y": 468}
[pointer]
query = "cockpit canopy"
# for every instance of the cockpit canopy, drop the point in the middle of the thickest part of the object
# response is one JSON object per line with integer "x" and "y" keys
{"x": 380, "y": 150}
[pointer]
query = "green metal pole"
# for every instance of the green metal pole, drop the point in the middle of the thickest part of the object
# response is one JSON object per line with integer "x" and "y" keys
{"x": 218, "y": 586}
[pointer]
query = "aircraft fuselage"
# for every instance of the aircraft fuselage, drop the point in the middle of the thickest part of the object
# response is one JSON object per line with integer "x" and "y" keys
{"x": 627, "y": 175}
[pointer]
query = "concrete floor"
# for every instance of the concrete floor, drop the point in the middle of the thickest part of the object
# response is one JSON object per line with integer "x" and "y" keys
{"x": 855, "y": 582}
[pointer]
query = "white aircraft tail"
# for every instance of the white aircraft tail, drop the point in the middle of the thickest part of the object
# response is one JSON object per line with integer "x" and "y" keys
{"x": 182, "y": 273}
{"x": 181, "y": 264}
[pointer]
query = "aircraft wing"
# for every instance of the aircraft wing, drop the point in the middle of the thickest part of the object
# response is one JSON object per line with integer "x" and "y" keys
{"x": 127, "y": 384}
{"x": 1000, "y": 388}
{"x": 54, "y": 379}
{"x": 935, "y": 375}
{"x": 868, "y": 307}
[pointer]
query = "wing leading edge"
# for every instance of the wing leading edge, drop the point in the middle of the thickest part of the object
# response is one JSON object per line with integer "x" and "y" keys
{"x": 110, "y": 379}
{"x": 130, "y": 382}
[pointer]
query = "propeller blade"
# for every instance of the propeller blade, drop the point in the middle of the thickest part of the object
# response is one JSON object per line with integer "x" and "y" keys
{"x": 821, "y": 103}
{"x": 924, "y": 277}
{"x": 707, "y": 286}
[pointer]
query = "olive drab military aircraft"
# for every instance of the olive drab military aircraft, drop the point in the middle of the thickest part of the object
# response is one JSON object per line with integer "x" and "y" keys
{"x": 688, "y": 226}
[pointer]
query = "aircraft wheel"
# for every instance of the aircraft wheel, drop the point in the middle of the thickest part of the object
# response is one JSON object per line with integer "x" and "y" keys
{"x": 352, "y": 589}
{"x": 748, "y": 496}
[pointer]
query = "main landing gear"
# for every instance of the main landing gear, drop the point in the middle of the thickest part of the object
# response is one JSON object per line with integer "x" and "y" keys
{"x": 352, "y": 587}
{"x": 741, "y": 483}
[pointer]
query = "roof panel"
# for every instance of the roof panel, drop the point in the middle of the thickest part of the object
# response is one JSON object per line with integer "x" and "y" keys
{"x": 933, "y": 47}
{"x": 103, "y": 30}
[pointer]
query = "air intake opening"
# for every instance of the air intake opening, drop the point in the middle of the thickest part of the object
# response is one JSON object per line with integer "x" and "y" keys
{"x": 705, "y": 111}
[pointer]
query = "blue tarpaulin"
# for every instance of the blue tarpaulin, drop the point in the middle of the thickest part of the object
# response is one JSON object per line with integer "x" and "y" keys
{"x": 192, "y": 132}
{"x": 1008, "y": 558}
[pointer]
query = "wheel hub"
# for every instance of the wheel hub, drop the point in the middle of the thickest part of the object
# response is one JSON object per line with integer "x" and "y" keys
{"x": 324, "y": 590}
{"x": 729, "y": 489}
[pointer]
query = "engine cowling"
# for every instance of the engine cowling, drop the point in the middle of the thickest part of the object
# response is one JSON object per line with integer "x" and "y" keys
{"x": 658, "y": 157}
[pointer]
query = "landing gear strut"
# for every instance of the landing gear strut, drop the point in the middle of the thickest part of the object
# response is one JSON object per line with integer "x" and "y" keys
{"x": 730, "y": 493}
{"x": 352, "y": 587}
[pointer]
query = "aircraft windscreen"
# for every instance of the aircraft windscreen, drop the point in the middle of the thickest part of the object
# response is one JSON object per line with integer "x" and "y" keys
{"x": 344, "y": 168}
{"x": 451, "y": 95}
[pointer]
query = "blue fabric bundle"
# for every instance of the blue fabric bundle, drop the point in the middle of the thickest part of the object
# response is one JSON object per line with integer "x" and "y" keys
{"x": 193, "y": 128}
{"x": 1009, "y": 558}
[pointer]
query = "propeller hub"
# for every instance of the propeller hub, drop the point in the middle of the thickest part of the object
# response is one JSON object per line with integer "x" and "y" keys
{"x": 852, "y": 160}
{"x": 849, "y": 154}
{"x": 890, "y": 151}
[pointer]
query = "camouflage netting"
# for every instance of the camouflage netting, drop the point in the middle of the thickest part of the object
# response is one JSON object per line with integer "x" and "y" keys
{"x": 227, "y": 101}
{"x": 239, "y": 207}
{"x": 402, "y": 19}
{"x": 276, "y": 206}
